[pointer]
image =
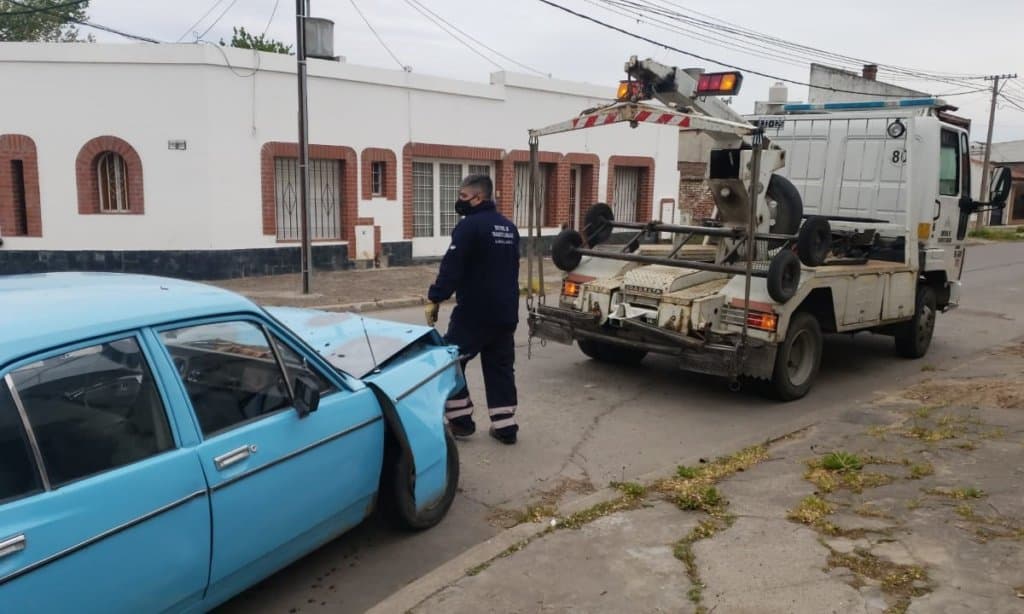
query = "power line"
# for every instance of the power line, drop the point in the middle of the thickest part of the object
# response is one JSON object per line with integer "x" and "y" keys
{"x": 459, "y": 40}
{"x": 219, "y": 17}
{"x": 90, "y": 24}
{"x": 192, "y": 27}
{"x": 43, "y": 9}
{"x": 418, "y": 5}
{"x": 271, "y": 19}
{"x": 707, "y": 59}
{"x": 379, "y": 39}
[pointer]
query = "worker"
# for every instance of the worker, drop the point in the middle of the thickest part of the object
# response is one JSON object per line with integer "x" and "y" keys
{"x": 481, "y": 267}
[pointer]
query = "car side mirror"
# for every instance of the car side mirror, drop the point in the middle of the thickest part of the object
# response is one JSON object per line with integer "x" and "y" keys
{"x": 307, "y": 395}
{"x": 1001, "y": 183}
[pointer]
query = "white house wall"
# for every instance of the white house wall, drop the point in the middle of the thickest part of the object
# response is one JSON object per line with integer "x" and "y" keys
{"x": 209, "y": 196}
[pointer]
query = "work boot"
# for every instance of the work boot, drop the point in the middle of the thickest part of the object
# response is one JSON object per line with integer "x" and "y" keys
{"x": 505, "y": 435}
{"x": 463, "y": 426}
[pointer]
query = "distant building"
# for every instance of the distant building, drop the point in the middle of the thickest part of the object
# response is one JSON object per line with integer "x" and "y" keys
{"x": 836, "y": 85}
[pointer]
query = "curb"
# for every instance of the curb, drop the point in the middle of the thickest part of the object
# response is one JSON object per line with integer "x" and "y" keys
{"x": 390, "y": 303}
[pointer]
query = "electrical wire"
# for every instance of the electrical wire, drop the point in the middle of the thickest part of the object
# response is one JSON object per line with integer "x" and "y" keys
{"x": 273, "y": 13}
{"x": 379, "y": 39}
{"x": 707, "y": 59}
{"x": 216, "y": 21}
{"x": 719, "y": 25}
{"x": 43, "y": 9}
{"x": 419, "y": 5}
{"x": 192, "y": 27}
{"x": 460, "y": 41}
{"x": 89, "y": 24}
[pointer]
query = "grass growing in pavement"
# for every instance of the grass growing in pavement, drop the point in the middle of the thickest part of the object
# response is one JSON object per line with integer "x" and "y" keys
{"x": 899, "y": 582}
{"x": 692, "y": 488}
{"x": 839, "y": 470}
{"x": 842, "y": 462}
{"x": 921, "y": 470}
{"x": 683, "y": 551}
{"x": 812, "y": 510}
{"x": 999, "y": 234}
{"x": 960, "y": 494}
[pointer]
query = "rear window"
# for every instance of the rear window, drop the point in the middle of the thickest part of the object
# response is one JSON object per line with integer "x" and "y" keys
{"x": 18, "y": 473}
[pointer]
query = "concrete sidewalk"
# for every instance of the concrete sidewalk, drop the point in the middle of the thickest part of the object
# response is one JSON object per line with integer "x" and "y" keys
{"x": 909, "y": 504}
{"x": 358, "y": 289}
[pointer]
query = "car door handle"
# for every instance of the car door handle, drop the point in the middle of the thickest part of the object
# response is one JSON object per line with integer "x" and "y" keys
{"x": 235, "y": 456}
{"x": 12, "y": 545}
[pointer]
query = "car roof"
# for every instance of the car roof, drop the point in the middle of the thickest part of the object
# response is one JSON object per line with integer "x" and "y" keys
{"x": 42, "y": 311}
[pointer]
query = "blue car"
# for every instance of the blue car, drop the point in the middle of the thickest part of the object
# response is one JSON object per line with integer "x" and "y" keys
{"x": 165, "y": 445}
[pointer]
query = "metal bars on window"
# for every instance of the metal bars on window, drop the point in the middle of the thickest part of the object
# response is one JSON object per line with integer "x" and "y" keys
{"x": 450, "y": 176}
{"x": 112, "y": 180}
{"x": 626, "y": 197}
{"x": 521, "y": 201}
{"x": 325, "y": 191}
{"x": 422, "y": 199}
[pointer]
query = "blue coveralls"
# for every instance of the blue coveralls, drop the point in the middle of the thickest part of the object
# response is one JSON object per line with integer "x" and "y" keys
{"x": 481, "y": 267}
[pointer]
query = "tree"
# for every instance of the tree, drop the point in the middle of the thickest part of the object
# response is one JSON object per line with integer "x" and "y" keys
{"x": 42, "y": 21}
{"x": 246, "y": 40}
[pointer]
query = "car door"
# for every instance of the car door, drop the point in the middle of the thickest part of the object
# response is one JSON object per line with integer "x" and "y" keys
{"x": 100, "y": 509}
{"x": 281, "y": 484}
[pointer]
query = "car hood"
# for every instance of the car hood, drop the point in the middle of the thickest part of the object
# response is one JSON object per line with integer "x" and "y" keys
{"x": 349, "y": 341}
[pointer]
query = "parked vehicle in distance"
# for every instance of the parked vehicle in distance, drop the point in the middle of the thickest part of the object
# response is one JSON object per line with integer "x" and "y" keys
{"x": 164, "y": 444}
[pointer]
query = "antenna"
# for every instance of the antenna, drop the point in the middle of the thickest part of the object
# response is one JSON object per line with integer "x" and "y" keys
{"x": 366, "y": 334}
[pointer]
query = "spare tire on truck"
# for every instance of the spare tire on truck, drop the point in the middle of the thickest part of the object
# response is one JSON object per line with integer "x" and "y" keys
{"x": 563, "y": 250}
{"x": 789, "y": 206}
{"x": 597, "y": 224}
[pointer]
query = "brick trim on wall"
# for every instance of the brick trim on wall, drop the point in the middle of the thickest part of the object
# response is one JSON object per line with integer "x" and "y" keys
{"x": 390, "y": 160}
{"x": 349, "y": 189}
{"x": 645, "y": 200}
{"x": 590, "y": 169}
{"x": 694, "y": 195}
{"x": 18, "y": 147}
{"x": 88, "y": 186}
{"x": 444, "y": 152}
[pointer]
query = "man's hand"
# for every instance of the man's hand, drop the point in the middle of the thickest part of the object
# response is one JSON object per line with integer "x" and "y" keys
{"x": 430, "y": 311}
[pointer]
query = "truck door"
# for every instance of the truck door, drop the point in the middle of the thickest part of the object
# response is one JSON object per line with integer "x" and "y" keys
{"x": 948, "y": 228}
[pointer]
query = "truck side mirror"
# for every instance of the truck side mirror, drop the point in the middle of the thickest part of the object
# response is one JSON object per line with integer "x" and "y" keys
{"x": 1001, "y": 183}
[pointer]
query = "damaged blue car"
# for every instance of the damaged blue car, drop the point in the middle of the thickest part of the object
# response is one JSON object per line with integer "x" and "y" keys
{"x": 164, "y": 444}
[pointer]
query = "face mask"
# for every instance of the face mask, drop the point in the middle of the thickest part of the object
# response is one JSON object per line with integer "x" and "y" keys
{"x": 462, "y": 207}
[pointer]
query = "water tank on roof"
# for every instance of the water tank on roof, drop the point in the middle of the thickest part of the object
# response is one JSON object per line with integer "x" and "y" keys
{"x": 320, "y": 38}
{"x": 778, "y": 93}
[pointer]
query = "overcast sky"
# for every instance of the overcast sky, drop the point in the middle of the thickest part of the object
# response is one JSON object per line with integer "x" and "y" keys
{"x": 979, "y": 37}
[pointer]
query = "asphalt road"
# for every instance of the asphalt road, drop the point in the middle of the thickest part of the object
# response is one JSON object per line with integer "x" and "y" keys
{"x": 588, "y": 422}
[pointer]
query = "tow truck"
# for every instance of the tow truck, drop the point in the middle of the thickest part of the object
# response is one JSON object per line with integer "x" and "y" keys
{"x": 829, "y": 218}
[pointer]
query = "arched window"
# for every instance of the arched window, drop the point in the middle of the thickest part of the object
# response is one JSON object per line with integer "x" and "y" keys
{"x": 112, "y": 179}
{"x": 109, "y": 175}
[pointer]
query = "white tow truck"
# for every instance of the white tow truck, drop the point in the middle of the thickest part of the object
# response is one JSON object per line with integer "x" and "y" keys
{"x": 830, "y": 218}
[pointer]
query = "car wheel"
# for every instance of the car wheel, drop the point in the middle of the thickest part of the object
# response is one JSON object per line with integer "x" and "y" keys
{"x": 913, "y": 338}
{"x": 614, "y": 354}
{"x": 798, "y": 358}
{"x": 399, "y": 505}
{"x": 783, "y": 276}
{"x": 814, "y": 241}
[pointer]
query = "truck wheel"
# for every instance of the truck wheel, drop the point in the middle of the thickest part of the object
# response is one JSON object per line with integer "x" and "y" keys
{"x": 789, "y": 206}
{"x": 613, "y": 354}
{"x": 798, "y": 358}
{"x": 596, "y": 222}
{"x": 399, "y": 504}
{"x": 814, "y": 240}
{"x": 783, "y": 276}
{"x": 915, "y": 336}
{"x": 563, "y": 250}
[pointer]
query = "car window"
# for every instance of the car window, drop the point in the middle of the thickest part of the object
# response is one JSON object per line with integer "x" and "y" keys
{"x": 229, "y": 371}
{"x": 18, "y": 473}
{"x": 93, "y": 409}
{"x": 295, "y": 364}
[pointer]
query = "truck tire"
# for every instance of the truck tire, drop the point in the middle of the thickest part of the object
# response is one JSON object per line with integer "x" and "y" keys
{"x": 596, "y": 226}
{"x": 398, "y": 505}
{"x": 783, "y": 276}
{"x": 789, "y": 210}
{"x": 915, "y": 336}
{"x": 814, "y": 241}
{"x": 798, "y": 358}
{"x": 612, "y": 354}
{"x": 563, "y": 250}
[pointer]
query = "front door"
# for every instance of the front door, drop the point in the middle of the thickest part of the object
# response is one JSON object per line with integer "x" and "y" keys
{"x": 100, "y": 509}
{"x": 280, "y": 484}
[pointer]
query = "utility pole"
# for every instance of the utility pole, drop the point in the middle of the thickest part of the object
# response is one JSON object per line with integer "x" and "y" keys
{"x": 301, "y": 13}
{"x": 983, "y": 193}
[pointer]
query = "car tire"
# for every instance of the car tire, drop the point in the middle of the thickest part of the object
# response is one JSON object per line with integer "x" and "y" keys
{"x": 783, "y": 276}
{"x": 399, "y": 503}
{"x": 798, "y": 358}
{"x": 913, "y": 338}
{"x": 789, "y": 208}
{"x": 597, "y": 224}
{"x": 612, "y": 354}
{"x": 814, "y": 241}
{"x": 563, "y": 250}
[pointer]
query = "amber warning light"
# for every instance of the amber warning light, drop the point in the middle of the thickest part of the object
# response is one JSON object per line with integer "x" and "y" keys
{"x": 632, "y": 91}
{"x": 719, "y": 84}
